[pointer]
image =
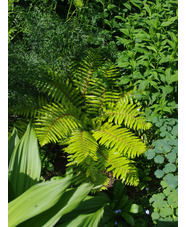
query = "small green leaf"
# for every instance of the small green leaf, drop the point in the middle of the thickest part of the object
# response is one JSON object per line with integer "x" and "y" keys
{"x": 166, "y": 211}
{"x": 171, "y": 157}
{"x": 167, "y": 191}
{"x": 159, "y": 159}
{"x": 169, "y": 168}
{"x": 171, "y": 181}
{"x": 150, "y": 154}
{"x": 159, "y": 173}
{"x": 155, "y": 215}
{"x": 135, "y": 209}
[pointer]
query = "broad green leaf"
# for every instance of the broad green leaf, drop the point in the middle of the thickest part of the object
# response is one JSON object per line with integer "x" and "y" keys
{"x": 25, "y": 164}
{"x": 66, "y": 203}
{"x": 85, "y": 220}
{"x": 123, "y": 201}
{"x": 14, "y": 139}
{"x": 94, "y": 203}
{"x": 35, "y": 200}
{"x": 128, "y": 218}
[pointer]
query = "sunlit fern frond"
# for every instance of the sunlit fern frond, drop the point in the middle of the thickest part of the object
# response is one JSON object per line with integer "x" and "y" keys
{"x": 119, "y": 140}
{"x": 81, "y": 145}
{"x": 98, "y": 96}
{"x": 120, "y": 166}
{"x": 127, "y": 114}
{"x": 56, "y": 122}
{"x": 61, "y": 91}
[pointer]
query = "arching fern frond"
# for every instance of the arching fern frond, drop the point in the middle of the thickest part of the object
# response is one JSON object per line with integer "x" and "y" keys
{"x": 61, "y": 91}
{"x": 56, "y": 122}
{"x": 119, "y": 140}
{"x": 121, "y": 166}
{"x": 127, "y": 114}
{"x": 81, "y": 145}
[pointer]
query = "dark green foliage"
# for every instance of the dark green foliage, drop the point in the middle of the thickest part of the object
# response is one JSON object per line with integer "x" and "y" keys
{"x": 149, "y": 56}
{"x": 104, "y": 210}
{"x": 97, "y": 105}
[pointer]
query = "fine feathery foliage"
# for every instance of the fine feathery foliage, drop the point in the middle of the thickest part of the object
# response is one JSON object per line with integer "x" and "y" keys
{"x": 93, "y": 122}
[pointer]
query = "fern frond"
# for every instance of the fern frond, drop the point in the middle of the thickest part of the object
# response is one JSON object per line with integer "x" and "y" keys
{"x": 92, "y": 174}
{"x": 31, "y": 110}
{"x": 98, "y": 96}
{"x": 20, "y": 125}
{"x": 82, "y": 71}
{"x": 121, "y": 166}
{"x": 81, "y": 145}
{"x": 111, "y": 74}
{"x": 127, "y": 114}
{"x": 56, "y": 122}
{"x": 61, "y": 91}
{"x": 119, "y": 140}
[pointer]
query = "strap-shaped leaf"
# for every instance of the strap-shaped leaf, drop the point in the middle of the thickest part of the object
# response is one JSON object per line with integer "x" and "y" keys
{"x": 36, "y": 200}
{"x": 121, "y": 166}
{"x": 69, "y": 200}
{"x": 14, "y": 139}
{"x": 81, "y": 145}
{"x": 56, "y": 122}
{"x": 25, "y": 164}
{"x": 85, "y": 220}
{"x": 127, "y": 114}
{"x": 120, "y": 140}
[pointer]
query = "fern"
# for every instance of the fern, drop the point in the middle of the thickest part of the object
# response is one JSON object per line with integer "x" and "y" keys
{"x": 61, "y": 91}
{"x": 119, "y": 140}
{"x": 127, "y": 114}
{"x": 92, "y": 117}
{"x": 57, "y": 121}
{"x": 120, "y": 166}
{"x": 82, "y": 145}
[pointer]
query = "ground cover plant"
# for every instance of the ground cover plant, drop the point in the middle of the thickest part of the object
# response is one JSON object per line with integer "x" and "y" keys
{"x": 98, "y": 80}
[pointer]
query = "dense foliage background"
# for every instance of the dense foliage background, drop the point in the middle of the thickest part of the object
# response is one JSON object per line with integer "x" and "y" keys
{"x": 140, "y": 38}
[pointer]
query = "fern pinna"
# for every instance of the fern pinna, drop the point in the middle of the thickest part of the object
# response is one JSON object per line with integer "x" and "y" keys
{"x": 92, "y": 117}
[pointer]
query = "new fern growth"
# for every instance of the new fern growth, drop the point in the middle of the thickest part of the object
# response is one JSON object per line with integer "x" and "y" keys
{"x": 92, "y": 116}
